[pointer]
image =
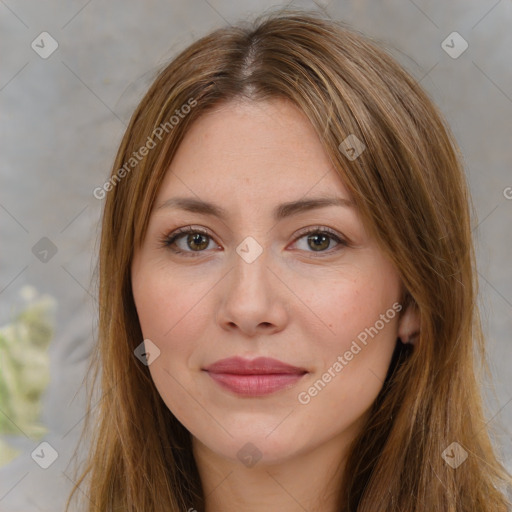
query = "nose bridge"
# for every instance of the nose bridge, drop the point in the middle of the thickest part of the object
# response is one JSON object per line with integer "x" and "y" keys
{"x": 251, "y": 295}
{"x": 251, "y": 266}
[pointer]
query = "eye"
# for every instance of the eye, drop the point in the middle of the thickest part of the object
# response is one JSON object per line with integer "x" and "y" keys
{"x": 319, "y": 240}
{"x": 192, "y": 240}
{"x": 195, "y": 239}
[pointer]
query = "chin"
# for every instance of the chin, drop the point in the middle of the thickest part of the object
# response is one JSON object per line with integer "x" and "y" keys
{"x": 253, "y": 446}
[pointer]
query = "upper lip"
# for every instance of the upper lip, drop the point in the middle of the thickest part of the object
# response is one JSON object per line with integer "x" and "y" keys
{"x": 258, "y": 366}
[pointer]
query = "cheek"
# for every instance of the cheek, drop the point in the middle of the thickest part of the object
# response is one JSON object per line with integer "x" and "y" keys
{"x": 350, "y": 308}
{"x": 352, "y": 361}
{"x": 168, "y": 303}
{"x": 361, "y": 314}
{"x": 169, "y": 312}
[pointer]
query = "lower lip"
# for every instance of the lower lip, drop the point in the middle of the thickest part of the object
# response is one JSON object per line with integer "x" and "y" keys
{"x": 256, "y": 385}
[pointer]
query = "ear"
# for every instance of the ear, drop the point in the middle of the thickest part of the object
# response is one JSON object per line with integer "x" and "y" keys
{"x": 409, "y": 324}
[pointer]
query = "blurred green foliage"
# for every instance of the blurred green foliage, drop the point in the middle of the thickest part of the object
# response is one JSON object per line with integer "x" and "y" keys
{"x": 24, "y": 369}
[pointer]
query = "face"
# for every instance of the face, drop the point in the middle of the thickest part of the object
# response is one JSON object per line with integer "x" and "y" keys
{"x": 301, "y": 284}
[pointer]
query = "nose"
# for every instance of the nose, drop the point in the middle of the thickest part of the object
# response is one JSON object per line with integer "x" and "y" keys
{"x": 253, "y": 298}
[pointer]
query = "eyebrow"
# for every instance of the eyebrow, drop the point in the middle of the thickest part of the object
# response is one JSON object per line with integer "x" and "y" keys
{"x": 281, "y": 211}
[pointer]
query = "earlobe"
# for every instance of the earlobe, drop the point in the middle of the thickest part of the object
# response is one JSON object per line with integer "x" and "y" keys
{"x": 409, "y": 325}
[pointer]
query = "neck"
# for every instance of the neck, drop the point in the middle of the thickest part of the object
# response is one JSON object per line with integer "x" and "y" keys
{"x": 309, "y": 481}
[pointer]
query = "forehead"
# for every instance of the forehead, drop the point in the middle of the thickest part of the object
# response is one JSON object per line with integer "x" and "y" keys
{"x": 254, "y": 149}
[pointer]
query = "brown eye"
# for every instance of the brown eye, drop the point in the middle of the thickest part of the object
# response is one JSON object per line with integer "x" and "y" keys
{"x": 197, "y": 241}
{"x": 187, "y": 240}
{"x": 320, "y": 240}
{"x": 192, "y": 241}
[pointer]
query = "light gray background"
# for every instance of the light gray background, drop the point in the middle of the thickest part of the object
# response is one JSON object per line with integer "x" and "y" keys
{"x": 63, "y": 118}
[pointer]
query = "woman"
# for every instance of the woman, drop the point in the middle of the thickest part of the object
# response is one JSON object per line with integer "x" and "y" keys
{"x": 287, "y": 289}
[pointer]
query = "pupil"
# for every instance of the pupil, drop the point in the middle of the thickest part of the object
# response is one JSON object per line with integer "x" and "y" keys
{"x": 316, "y": 238}
{"x": 196, "y": 239}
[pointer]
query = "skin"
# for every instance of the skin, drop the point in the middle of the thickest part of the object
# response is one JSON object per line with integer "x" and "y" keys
{"x": 292, "y": 303}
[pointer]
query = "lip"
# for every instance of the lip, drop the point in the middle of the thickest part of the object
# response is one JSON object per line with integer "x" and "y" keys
{"x": 254, "y": 377}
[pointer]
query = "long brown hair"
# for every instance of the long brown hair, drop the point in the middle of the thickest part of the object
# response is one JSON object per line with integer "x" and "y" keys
{"x": 411, "y": 191}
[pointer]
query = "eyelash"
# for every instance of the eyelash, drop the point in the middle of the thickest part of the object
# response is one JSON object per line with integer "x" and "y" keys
{"x": 169, "y": 240}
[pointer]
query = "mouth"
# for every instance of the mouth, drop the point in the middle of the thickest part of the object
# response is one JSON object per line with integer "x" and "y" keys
{"x": 256, "y": 377}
